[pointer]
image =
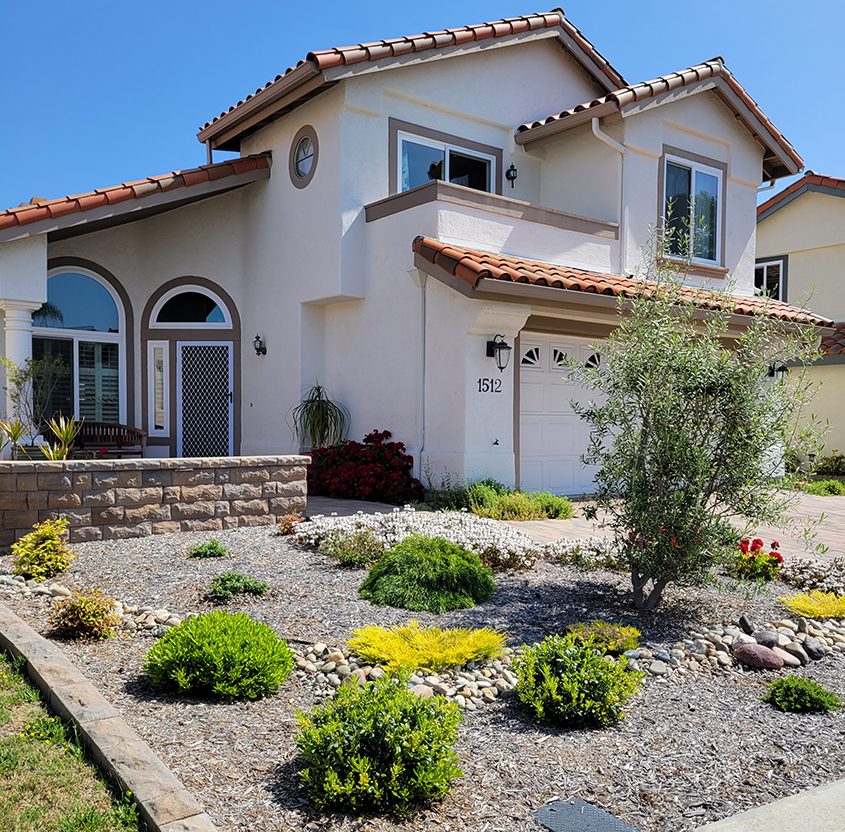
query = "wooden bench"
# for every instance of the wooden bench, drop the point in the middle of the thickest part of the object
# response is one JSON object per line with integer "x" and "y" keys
{"x": 106, "y": 440}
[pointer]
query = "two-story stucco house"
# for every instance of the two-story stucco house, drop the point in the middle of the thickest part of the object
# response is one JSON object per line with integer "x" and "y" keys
{"x": 801, "y": 259}
{"x": 396, "y": 206}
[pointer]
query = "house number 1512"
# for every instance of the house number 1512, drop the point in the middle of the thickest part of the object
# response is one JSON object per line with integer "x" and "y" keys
{"x": 489, "y": 385}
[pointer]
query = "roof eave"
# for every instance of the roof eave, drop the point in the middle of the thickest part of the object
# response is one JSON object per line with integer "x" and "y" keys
{"x": 535, "y": 136}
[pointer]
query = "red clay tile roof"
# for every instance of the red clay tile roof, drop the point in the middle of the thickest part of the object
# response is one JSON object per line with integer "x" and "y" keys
{"x": 42, "y": 209}
{"x": 835, "y": 344}
{"x": 472, "y": 266}
{"x": 714, "y": 68}
{"x": 809, "y": 181}
{"x": 395, "y": 47}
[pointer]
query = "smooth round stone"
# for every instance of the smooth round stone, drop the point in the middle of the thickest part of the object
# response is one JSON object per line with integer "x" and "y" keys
{"x": 333, "y": 679}
{"x": 759, "y": 657}
{"x": 460, "y": 700}
{"x": 337, "y": 657}
{"x": 788, "y": 659}
{"x": 742, "y": 638}
{"x": 787, "y": 624}
{"x": 795, "y": 649}
{"x": 423, "y": 691}
{"x": 724, "y": 659}
{"x": 768, "y": 638}
{"x": 377, "y": 673}
{"x": 658, "y": 668}
{"x": 631, "y": 654}
{"x": 814, "y": 648}
{"x": 328, "y": 667}
{"x": 662, "y": 655}
{"x": 343, "y": 670}
{"x": 309, "y": 667}
{"x": 319, "y": 648}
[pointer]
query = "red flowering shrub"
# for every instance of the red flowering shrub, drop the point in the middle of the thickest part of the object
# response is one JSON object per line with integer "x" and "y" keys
{"x": 375, "y": 469}
{"x": 755, "y": 563}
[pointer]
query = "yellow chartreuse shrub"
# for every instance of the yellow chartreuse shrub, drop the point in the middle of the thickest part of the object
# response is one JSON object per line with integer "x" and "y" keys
{"x": 412, "y": 646}
{"x": 816, "y": 604}
{"x": 44, "y": 552}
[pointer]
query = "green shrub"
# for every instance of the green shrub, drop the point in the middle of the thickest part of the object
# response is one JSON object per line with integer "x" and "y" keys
{"x": 568, "y": 681}
{"x": 210, "y": 549}
{"x": 825, "y": 488}
{"x": 44, "y": 552}
{"x": 606, "y": 636}
{"x": 551, "y": 505}
{"x": 224, "y": 587}
{"x": 357, "y": 549}
{"x": 832, "y": 465}
{"x": 795, "y": 693}
{"x": 428, "y": 573}
{"x": 482, "y": 498}
{"x": 85, "y": 614}
{"x": 228, "y": 655}
{"x": 378, "y": 748}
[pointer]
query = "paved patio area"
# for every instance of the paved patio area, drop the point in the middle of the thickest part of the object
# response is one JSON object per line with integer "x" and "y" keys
{"x": 808, "y": 509}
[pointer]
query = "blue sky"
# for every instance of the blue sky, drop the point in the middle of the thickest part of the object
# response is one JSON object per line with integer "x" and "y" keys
{"x": 93, "y": 93}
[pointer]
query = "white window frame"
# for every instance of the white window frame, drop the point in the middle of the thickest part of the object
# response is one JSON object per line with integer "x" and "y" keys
{"x": 679, "y": 161}
{"x": 770, "y": 262}
{"x": 179, "y": 290}
{"x": 151, "y": 429}
{"x": 446, "y": 147}
{"x": 92, "y": 337}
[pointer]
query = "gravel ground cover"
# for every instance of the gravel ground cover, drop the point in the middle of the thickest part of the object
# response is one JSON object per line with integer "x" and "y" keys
{"x": 692, "y": 748}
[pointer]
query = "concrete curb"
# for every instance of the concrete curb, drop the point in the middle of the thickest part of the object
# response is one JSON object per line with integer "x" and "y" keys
{"x": 820, "y": 809}
{"x": 163, "y": 802}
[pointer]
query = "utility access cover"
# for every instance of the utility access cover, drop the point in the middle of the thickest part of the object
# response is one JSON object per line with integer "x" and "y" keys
{"x": 576, "y": 815}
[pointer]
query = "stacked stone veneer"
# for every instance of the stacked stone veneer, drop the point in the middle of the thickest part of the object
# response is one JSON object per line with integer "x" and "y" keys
{"x": 108, "y": 500}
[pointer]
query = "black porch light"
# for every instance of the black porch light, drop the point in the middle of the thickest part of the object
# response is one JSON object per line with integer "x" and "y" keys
{"x": 258, "y": 345}
{"x": 499, "y": 349}
{"x": 511, "y": 173}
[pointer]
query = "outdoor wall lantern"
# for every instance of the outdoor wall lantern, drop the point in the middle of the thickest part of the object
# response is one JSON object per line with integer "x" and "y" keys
{"x": 259, "y": 345}
{"x": 511, "y": 173}
{"x": 778, "y": 371}
{"x": 499, "y": 349}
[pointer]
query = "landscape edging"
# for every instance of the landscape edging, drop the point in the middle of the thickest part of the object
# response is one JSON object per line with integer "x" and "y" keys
{"x": 164, "y": 803}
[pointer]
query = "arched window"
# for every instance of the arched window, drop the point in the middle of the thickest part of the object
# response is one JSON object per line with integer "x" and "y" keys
{"x": 79, "y": 336}
{"x": 190, "y": 307}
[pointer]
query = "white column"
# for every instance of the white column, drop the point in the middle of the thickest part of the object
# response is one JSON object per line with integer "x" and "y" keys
{"x": 17, "y": 334}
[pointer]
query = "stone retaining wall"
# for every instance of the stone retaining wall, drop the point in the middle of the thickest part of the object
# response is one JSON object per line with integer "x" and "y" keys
{"x": 114, "y": 499}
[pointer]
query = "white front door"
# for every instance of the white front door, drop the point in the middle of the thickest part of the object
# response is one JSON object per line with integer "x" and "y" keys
{"x": 552, "y": 436}
{"x": 204, "y": 398}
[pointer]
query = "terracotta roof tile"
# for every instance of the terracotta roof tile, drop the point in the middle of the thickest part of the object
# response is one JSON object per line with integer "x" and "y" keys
{"x": 54, "y": 208}
{"x": 809, "y": 180}
{"x": 394, "y": 47}
{"x": 834, "y": 344}
{"x": 473, "y": 265}
{"x": 665, "y": 83}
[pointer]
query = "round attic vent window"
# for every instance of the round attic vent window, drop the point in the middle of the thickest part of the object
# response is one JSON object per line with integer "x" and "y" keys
{"x": 303, "y": 156}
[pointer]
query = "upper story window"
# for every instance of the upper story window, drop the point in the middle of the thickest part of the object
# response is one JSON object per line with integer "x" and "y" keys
{"x": 303, "y": 157}
{"x": 770, "y": 279}
{"x": 692, "y": 210}
{"x": 423, "y": 160}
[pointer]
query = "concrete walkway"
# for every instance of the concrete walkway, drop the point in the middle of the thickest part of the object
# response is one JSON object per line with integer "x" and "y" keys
{"x": 821, "y": 809}
{"x": 831, "y": 531}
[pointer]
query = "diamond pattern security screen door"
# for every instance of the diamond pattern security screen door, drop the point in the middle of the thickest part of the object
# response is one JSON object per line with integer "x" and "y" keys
{"x": 204, "y": 398}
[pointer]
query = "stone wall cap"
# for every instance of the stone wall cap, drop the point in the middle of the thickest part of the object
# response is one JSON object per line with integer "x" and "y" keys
{"x": 151, "y": 464}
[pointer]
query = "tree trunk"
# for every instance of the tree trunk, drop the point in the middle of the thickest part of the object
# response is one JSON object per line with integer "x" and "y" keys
{"x": 646, "y": 598}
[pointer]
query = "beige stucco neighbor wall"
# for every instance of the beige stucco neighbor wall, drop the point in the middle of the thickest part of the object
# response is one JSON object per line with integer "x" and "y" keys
{"x": 106, "y": 500}
{"x": 828, "y": 403}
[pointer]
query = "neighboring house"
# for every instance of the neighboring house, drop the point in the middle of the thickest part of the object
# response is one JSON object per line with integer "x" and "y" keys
{"x": 395, "y": 207}
{"x": 801, "y": 260}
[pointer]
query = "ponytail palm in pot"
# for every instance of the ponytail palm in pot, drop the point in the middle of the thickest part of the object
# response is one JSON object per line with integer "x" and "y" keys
{"x": 318, "y": 422}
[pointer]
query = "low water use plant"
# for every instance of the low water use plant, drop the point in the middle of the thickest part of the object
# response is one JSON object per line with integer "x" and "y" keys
{"x": 428, "y": 573}
{"x": 209, "y": 549}
{"x": 224, "y": 654}
{"x": 378, "y": 748}
{"x": 800, "y": 695}
{"x": 412, "y": 646}
{"x": 606, "y": 636}
{"x": 815, "y": 604}
{"x": 354, "y": 549}
{"x": 86, "y": 614}
{"x": 229, "y": 584}
{"x": 568, "y": 681}
{"x": 44, "y": 552}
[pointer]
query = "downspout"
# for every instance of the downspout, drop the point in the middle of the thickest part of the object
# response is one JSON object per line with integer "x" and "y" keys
{"x": 623, "y": 209}
{"x": 209, "y": 153}
{"x": 767, "y": 187}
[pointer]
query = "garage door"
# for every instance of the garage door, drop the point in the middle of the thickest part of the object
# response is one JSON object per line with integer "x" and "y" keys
{"x": 551, "y": 436}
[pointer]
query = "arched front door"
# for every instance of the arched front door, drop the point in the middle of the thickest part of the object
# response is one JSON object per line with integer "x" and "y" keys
{"x": 192, "y": 343}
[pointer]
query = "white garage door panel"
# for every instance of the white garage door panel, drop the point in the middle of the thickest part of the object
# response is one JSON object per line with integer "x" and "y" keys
{"x": 552, "y": 436}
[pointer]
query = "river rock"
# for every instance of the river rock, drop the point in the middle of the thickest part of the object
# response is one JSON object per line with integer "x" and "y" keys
{"x": 787, "y": 658}
{"x": 746, "y": 625}
{"x": 814, "y": 648}
{"x": 742, "y": 638}
{"x": 759, "y": 657}
{"x": 423, "y": 691}
{"x": 795, "y": 649}
{"x": 768, "y": 638}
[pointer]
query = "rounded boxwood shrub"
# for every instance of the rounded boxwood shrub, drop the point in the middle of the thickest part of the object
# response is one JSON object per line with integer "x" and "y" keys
{"x": 44, "y": 552}
{"x": 795, "y": 693}
{"x": 428, "y": 573}
{"x": 568, "y": 681}
{"x": 225, "y": 654}
{"x": 378, "y": 748}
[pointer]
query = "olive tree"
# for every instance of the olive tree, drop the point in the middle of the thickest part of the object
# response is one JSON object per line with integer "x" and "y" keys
{"x": 689, "y": 425}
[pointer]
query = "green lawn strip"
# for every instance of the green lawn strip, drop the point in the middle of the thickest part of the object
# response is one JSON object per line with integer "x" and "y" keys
{"x": 46, "y": 782}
